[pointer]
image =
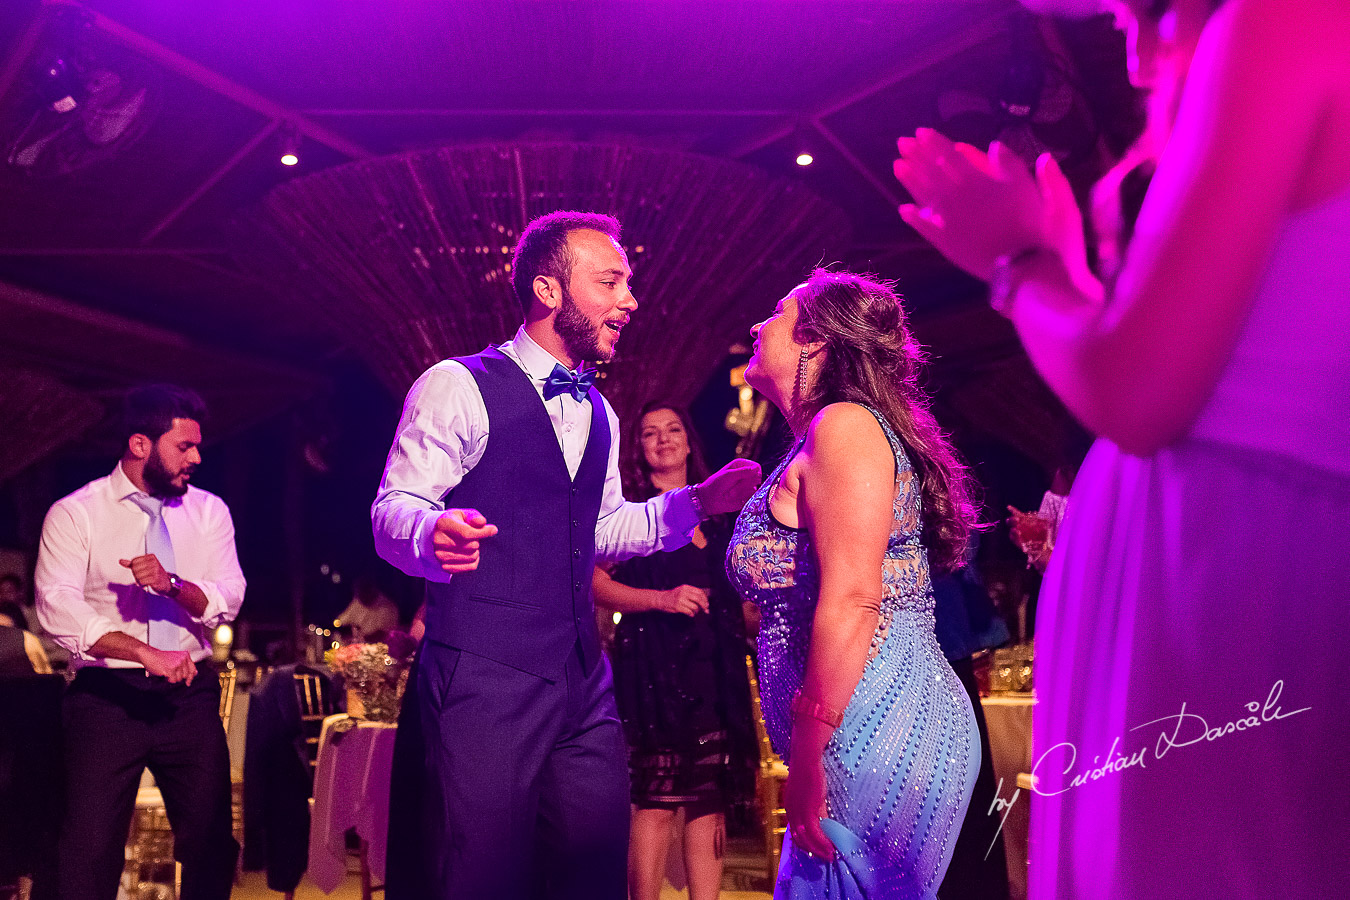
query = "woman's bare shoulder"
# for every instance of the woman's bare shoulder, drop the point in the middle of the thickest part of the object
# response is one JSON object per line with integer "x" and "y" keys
{"x": 847, "y": 433}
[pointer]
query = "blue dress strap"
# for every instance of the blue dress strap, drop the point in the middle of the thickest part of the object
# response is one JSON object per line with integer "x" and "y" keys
{"x": 897, "y": 448}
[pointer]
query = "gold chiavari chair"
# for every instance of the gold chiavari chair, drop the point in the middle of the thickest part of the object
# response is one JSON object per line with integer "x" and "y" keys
{"x": 769, "y": 780}
{"x": 229, "y": 678}
{"x": 317, "y": 703}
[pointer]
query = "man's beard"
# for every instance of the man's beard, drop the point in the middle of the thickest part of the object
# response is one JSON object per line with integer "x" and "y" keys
{"x": 579, "y": 334}
{"x": 159, "y": 479}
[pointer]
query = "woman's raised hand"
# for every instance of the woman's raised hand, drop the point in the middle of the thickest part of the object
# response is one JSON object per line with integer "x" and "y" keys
{"x": 975, "y": 207}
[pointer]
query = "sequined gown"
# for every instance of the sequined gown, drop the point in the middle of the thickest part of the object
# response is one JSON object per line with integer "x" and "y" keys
{"x": 900, "y": 768}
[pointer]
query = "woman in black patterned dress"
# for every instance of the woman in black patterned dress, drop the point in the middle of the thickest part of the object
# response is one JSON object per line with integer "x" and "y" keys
{"x": 679, "y": 674}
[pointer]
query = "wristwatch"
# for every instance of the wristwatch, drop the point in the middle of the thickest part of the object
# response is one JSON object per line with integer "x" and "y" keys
{"x": 175, "y": 586}
{"x": 697, "y": 501}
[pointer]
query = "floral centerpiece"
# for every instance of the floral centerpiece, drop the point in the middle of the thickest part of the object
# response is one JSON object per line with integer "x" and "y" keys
{"x": 375, "y": 677}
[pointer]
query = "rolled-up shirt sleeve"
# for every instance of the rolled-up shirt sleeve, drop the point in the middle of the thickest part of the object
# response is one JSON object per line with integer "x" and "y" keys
{"x": 224, "y": 583}
{"x": 625, "y": 529}
{"x": 441, "y": 436}
{"x": 62, "y": 563}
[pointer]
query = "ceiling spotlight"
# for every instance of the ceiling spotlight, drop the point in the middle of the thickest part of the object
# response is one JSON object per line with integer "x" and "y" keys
{"x": 290, "y": 146}
{"x": 802, "y": 142}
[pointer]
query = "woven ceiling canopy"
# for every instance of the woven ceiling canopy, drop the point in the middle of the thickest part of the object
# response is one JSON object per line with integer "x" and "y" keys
{"x": 405, "y": 257}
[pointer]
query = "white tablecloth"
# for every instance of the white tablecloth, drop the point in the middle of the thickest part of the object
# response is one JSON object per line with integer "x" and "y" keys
{"x": 1009, "y": 719}
{"x": 351, "y": 790}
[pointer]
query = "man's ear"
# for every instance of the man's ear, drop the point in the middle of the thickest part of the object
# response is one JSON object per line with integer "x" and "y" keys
{"x": 548, "y": 291}
{"x": 140, "y": 445}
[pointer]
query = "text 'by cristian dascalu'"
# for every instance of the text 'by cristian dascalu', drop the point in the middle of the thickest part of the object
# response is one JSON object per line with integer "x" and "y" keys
{"x": 1182, "y": 729}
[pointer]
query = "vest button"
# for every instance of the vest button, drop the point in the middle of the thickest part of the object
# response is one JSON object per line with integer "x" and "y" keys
{"x": 576, "y": 524}
{"x": 576, "y": 552}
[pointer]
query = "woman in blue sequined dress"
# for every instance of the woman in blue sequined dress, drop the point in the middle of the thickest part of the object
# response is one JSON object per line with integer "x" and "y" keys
{"x": 835, "y": 548}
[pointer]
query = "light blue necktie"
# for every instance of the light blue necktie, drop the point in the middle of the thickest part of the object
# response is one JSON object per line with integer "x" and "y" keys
{"x": 161, "y": 612}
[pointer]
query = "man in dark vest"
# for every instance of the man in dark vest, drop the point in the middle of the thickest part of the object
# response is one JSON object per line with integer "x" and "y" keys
{"x": 502, "y": 490}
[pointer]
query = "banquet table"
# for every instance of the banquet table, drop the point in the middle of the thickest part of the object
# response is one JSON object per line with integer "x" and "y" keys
{"x": 1008, "y": 717}
{"x": 351, "y": 791}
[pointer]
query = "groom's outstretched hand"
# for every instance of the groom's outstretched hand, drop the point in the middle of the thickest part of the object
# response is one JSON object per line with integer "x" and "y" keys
{"x": 456, "y": 537}
{"x": 727, "y": 489}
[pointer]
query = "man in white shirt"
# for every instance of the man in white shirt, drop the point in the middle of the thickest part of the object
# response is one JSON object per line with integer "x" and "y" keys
{"x": 502, "y": 489}
{"x": 134, "y": 571}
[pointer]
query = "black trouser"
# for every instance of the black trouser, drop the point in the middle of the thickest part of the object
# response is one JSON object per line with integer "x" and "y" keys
{"x": 507, "y": 786}
{"x": 118, "y": 722}
{"x": 979, "y": 869}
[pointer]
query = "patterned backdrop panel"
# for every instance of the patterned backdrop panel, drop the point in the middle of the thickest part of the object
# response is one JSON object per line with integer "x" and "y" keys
{"x": 407, "y": 257}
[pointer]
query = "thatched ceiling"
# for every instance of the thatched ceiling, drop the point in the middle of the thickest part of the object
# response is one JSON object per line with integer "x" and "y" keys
{"x": 131, "y": 204}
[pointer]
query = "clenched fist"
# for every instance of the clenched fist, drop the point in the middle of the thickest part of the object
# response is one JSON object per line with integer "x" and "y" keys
{"x": 148, "y": 573}
{"x": 455, "y": 539}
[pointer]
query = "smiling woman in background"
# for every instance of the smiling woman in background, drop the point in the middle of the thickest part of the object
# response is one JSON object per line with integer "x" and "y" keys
{"x": 679, "y": 673}
{"x": 1199, "y": 580}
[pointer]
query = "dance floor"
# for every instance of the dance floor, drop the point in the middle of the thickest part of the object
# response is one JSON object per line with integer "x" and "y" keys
{"x": 744, "y": 879}
{"x": 254, "y": 887}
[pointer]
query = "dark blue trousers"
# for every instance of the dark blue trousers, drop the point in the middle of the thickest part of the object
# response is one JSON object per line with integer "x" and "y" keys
{"x": 507, "y": 786}
{"x": 117, "y": 723}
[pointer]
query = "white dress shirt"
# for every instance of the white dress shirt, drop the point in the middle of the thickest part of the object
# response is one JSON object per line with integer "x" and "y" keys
{"x": 83, "y": 592}
{"x": 442, "y": 436}
{"x": 1053, "y": 508}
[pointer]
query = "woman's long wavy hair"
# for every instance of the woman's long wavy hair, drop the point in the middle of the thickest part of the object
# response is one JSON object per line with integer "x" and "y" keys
{"x": 871, "y": 358}
{"x": 637, "y": 472}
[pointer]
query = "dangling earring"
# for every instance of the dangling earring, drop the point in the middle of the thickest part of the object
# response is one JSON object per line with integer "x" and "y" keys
{"x": 801, "y": 375}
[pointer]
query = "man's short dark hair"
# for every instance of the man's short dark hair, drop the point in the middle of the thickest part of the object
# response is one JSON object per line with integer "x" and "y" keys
{"x": 151, "y": 409}
{"x": 543, "y": 249}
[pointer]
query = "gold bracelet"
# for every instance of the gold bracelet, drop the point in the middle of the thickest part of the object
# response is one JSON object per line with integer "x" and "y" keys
{"x": 803, "y": 705}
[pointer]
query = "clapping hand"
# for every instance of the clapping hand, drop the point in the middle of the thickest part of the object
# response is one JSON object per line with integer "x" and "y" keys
{"x": 455, "y": 539}
{"x": 728, "y": 489}
{"x": 975, "y": 207}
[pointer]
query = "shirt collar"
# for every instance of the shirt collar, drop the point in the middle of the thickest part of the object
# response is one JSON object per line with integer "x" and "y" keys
{"x": 121, "y": 485}
{"x": 537, "y": 362}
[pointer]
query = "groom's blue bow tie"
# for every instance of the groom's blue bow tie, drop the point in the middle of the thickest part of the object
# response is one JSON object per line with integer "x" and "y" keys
{"x": 561, "y": 381}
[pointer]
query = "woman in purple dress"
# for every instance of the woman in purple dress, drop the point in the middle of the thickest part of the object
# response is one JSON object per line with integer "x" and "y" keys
{"x": 1191, "y": 730}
